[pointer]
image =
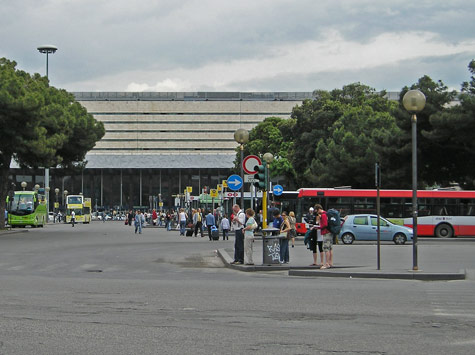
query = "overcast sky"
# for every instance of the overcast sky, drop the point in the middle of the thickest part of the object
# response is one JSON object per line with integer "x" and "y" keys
{"x": 245, "y": 45}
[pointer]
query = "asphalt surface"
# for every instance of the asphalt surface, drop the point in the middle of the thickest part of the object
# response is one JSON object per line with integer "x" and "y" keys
{"x": 101, "y": 289}
{"x": 435, "y": 260}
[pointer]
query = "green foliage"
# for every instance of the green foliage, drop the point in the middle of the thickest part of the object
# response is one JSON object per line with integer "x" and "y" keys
{"x": 41, "y": 126}
{"x": 273, "y": 135}
{"x": 346, "y": 131}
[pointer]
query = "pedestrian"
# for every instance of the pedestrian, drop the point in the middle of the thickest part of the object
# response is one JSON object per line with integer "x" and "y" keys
{"x": 239, "y": 221}
{"x": 293, "y": 230}
{"x": 210, "y": 221}
{"x": 198, "y": 222}
{"x": 251, "y": 225}
{"x": 277, "y": 221}
{"x": 259, "y": 220}
{"x": 168, "y": 221}
{"x": 284, "y": 242}
{"x": 314, "y": 236}
{"x": 182, "y": 217}
{"x": 130, "y": 217}
{"x": 73, "y": 217}
{"x": 327, "y": 237}
{"x": 154, "y": 217}
{"x": 139, "y": 221}
{"x": 225, "y": 227}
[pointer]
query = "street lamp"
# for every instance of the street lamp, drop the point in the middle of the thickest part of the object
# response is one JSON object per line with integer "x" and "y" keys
{"x": 23, "y": 185}
{"x": 268, "y": 158}
{"x": 65, "y": 193}
{"x": 242, "y": 137}
{"x": 56, "y": 204}
{"x": 37, "y": 187}
{"x": 414, "y": 101}
{"x": 47, "y": 49}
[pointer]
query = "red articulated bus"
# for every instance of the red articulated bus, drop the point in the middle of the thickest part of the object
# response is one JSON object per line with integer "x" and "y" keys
{"x": 441, "y": 213}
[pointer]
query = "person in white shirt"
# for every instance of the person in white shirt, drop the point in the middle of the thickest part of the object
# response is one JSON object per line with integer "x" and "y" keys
{"x": 239, "y": 222}
{"x": 225, "y": 227}
{"x": 73, "y": 217}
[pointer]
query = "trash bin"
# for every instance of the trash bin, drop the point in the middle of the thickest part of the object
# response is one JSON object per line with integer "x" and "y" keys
{"x": 271, "y": 246}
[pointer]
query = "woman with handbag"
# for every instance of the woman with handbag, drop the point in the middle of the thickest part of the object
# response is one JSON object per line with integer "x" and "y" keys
{"x": 251, "y": 225}
{"x": 284, "y": 243}
{"x": 293, "y": 230}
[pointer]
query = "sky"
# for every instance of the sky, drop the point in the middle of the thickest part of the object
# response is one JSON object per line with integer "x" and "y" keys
{"x": 245, "y": 45}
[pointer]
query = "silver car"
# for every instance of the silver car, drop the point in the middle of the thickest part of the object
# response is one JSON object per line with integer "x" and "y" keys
{"x": 365, "y": 227}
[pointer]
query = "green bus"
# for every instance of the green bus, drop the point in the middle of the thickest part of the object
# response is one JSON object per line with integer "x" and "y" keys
{"x": 26, "y": 208}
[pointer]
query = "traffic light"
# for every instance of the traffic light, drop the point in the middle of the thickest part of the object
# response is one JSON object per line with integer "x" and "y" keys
{"x": 260, "y": 176}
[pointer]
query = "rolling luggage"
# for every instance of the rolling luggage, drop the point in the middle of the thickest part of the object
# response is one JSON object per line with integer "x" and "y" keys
{"x": 189, "y": 232}
{"x": 214, "y": 233}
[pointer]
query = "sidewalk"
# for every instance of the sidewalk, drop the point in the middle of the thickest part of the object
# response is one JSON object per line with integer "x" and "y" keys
{"x": 436, "y": 262}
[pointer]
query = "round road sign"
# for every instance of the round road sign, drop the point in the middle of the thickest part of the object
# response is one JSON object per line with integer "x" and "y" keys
{"x": 249, "y": 163}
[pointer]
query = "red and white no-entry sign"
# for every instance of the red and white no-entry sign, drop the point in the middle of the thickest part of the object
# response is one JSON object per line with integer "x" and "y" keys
{"x": 249, "y": 163}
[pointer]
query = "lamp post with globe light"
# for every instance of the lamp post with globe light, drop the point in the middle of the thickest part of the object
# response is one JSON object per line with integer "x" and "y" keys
{"x": 47, "y": 49}
{"x": 414, "y": 102}
{"x": 268, "y": 158}
{"x": 242, "y": 137}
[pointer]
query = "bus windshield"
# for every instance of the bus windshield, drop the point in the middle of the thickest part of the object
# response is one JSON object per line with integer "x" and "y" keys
{"x": 74, "y": 200}
{"x": 22, "y": 202}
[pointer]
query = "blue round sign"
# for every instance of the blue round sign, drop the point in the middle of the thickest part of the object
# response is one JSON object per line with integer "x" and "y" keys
{"x": 277, "y": 190}
{"x": 234, "y": 182}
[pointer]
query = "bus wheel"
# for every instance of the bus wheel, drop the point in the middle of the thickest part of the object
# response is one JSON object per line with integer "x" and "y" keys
{"x": 347, "y": 238}
{"x": 399, "y": 239}
{"x": 444, "y": 230}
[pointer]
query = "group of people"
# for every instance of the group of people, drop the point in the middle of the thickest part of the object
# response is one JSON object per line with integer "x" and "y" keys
{"x": 245, "y": 224}
{"x": 319, "y": 235}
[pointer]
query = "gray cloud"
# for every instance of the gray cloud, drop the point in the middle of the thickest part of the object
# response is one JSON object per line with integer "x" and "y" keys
{"x": 109, "y": 45}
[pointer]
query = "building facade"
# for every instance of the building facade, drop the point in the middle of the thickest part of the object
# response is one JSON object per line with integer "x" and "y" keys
{"x": 156, "y": 144}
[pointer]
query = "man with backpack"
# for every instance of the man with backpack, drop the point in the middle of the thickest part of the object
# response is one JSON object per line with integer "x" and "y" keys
{"x": 327, "y": 237}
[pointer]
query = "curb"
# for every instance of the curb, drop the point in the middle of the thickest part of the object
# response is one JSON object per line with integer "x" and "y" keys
{"x": 410, "y": 275}
{"x": 311, "y": 272}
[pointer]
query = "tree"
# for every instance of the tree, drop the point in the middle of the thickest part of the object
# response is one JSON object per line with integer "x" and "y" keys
{"x": 346, "y": 131}
{"x": 365, "y": 133}
{"x": 431, "y": 151}
{"x": 452, "y": 131}
{"x": 40, "y": 125}
{"x": 273, "y": 135}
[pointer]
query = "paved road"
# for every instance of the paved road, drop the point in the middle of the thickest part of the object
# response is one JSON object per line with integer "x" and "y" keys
{"x": 101, "y": 289}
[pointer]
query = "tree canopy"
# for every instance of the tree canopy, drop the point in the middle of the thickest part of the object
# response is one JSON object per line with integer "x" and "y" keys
{"x": 41, "y": 126}
{"x": 336, "y": 138}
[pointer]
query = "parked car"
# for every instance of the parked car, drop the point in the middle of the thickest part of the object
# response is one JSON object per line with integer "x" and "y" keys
{"x": 365, "y": 227}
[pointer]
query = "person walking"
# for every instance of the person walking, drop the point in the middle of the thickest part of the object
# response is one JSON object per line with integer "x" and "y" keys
{"x": 182, "y": 217}
{"x": 73, "y": 217}
{"x": 130, "y": 217}
{"x": 210, "y": 221}
{"x": 284, "y": 242}
{"x": 293, "y": 229}
{"x": 139, "y": 221}
{"x": 225, "y": 227}
{"x": 251, "y": 225}
{"x": 198, "y": 222}
{"x": 239, "y": 221}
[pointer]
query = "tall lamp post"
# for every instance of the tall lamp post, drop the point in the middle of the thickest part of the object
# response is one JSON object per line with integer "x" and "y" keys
{"x": 23, "y": 185}
{"x": 242, "y": 137}
{"x": 47, "y": 49}
{"x": 56, "y": 204}
{"x": 414, "y": 102}
{"x": 268, "y": 158}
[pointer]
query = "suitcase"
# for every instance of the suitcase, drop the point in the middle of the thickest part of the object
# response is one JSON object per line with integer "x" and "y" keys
{"x": 189, "y": 232}
{"x": 214, "y": 233}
